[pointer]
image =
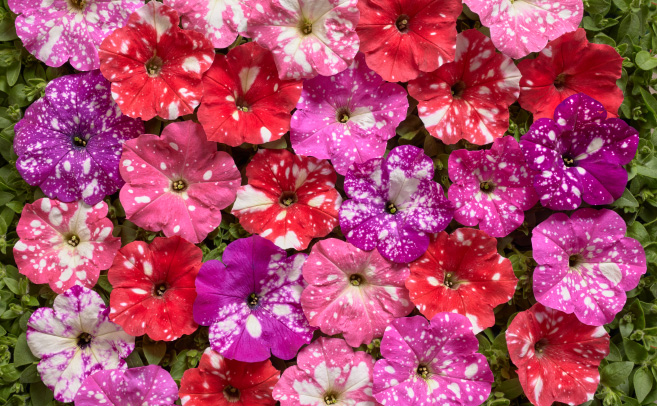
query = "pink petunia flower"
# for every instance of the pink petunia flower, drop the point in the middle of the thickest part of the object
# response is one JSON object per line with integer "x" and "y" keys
{"x": 290, "y": 199}
{"x": 64, "y": 244}
{"x": 154, "y": 66}
{"x": 307, "y": 37}
{"x": 244, "y": 100}
{"x": 520, "y": 27}
{"x": 177, "y": 183}
{"x": 470, "y": 97}
{"x": 557, "y": 356}
{"x": 328, "y": 372}
{"x": 352, "y": 292}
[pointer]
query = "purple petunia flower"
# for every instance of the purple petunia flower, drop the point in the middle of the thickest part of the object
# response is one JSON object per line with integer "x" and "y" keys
{"x": 586, "y": 264}
{"x": 251, "y": 301}
{"x": 431, "y": 363}
{"x": 579, "y": 155}
{"x": 347, "y": 117}
{"x": 394, "y": 205}
{"x": 150, "y": 385}
{"x": 69, "y": 142}
{"x": 492, "y": 188}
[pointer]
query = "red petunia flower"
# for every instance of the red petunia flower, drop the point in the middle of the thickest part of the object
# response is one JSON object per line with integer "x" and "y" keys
{"x": 557, "y": 355}
{"x": 462, "y": 273}
{"x": 244, "y": 99}
{"x": 154, "y": 288}
{"x": 569, "y": 65}
{"x": 401, "y": 38}
{"x": 223, "y": 382}
{"x": 290, "y": 199}
{"x": 154, "y": 66}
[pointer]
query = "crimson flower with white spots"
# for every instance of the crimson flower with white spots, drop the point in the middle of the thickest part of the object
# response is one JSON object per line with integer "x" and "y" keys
{"x": 290, "y": 199}
{"x": 153, "y": 288}
{"x": 154, "y": 66}
{"x": 178, "y": 182}
{"x": 244, "y": 99}
{"x": 470, "y": 97}
{"x": 64, "y": 244}
{"x": 557, "y": 356}
{"x": 462, "y": 273}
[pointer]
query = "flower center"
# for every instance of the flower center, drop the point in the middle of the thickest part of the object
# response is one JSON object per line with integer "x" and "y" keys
{"x": 574, "y": 261}
{"x": 487, "y": 187}
{"x": 306, "y": 27}
{"x": 356, "y": 280}
{"x": 423, "y": 371}
{"x": 402, "y": 23}
{"x": 252, "y": 301}
{"x": 343, "y": 115}
{"x": 84, "y": 339}
{"x": 79, "y": 142}
{"x": 73, "y": 240}
{"x": 457, "y": 89}
{"x": 154, "y": 66}
{"x": 178, "y": 185}
{"x": 288, "y": 198}
{"x": 568, "y": 161}
{"x": 243, "y": 107}
{"x": 450, "y": 281}
{"x": 540, "y": 345}
{"x": 391, "y": 208}
{"x": 231, "y": 393}
{"x": 78, "y": 4}
{"x": 159, "y": 290}
{"x": 330, "y": 398}
{"x": 560, "y": 81}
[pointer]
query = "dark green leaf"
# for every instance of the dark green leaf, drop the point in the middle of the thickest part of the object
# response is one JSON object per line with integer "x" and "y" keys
{"x": 635, "y": 352}
{"x": 616, "y": 373}
{"x": 154, "y": 351}
{"x": 40, "y": 395}
{"x": 22, "y": 353}
{"x": 30, "y": 375}
{"x": 642, "y": 383}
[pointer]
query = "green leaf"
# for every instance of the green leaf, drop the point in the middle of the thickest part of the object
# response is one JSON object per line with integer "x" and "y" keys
{"x": 635, "y": 352}
{"x": 7, "y": 30}
{"x": 22, "y": 353}
{"x": 651, "y": 104}
{"x": 30, "y": 375}
{"x": 645, "y": 61}
{"x": 13, "y": 72}
{"x": 134, "y": 360}
{"x": 642, "y": 383}
{"x": 616, "y": 373}
{"x": 154, "y": 351}
{"x": 597, "y": 6}
{"x": 627, "y": 201}
{"x": 40, "y": 395}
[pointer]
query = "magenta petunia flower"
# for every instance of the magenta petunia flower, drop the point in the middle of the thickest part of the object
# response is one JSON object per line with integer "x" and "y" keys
{"x": 579, "y": 155}
{"x": 352, "y": 292}
{"x": 427, "y": 363}
{"x": 219, "y": 20}
{"x": 557, "y": 356}
{"x": 347, "y": 117}
{"x": 57, "y": 31}
{"x": 586, "y": 264}
{"x": 150, "y": 385}
{"x": 470, "y": 97}
{"x": 251, "y": 301}
{"x": 74, "y": 339}
{"x": 395, "y": 205}
{"x": 328, "y": 372}
{"x": 492, "y": 188}
{"x": 307, "y": 37}
{"x": 523, "y": 26}
{"x": 64, "y": 244}
{"x": 177, "y": 183}
{"x": 69, "y": 141}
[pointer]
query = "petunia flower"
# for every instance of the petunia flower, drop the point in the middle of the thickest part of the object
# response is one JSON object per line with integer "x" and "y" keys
{"x": 177, "y": 183}
{"x": 401, "y": 38}
{"x": 251, "y": 301}
{"x": 306, "y": 37}
{"x": 154, "y": 66}
{"x": 58, "y": 31}
{"x": 347, "y": 117}
{"x": 74, "y": 339}
{"x": 586, "y": 264}
{"x": 64, "y": 244}
{"x": 219, "y": 20}
{"x": 462, "y": 273}
{"x": 244, "y": 100}
{"x": 579, "y": 155}
{"x": 150, "y": 385}
{"x": 290, "y": 199}
{"x": 568, "y": 65}
{"x": 394, "y": 205}
{"x": 433, "y": 362}
{"x": 328, "y": 372}
{"x": 223, "y": 382}
{"x": 520, "y": 27}
{"x": 153, "y": 288}
{"x": 69, "y": 141}
{"x": 557, "y": 356}
{"x": 352, "y": 292}
{"x": 470, "y": 97}
{"x": 492, "y": 188}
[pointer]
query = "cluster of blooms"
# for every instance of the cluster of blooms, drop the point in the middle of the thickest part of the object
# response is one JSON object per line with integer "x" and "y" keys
{"x": 85, "y": 140}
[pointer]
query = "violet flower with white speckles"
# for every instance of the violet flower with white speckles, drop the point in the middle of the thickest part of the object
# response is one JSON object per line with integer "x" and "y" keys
{"x": 347, "y": 117}
{"x": 395, "y": 205}
{"x": 586, "y": 264}
{"x": 69, "y": 142}
{"x": 579, "y": 155}
{"x": 251, "y": 301}
{"x": 74, "y": 339}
